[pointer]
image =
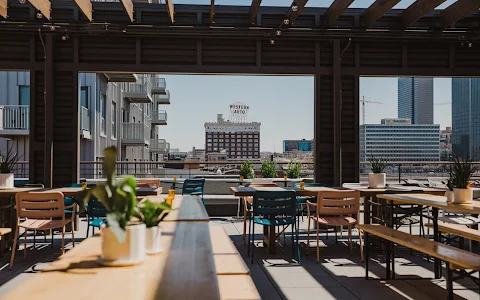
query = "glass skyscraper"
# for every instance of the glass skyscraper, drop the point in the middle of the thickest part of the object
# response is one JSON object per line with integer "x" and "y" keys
{"x": 415, "y": 99}
{"x": 465, "y": 117}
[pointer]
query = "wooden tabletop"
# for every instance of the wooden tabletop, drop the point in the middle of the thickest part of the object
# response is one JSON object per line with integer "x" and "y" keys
{"x": 185, "y": 208}
{"x": 394, "y": 189}
{"x": 432, "y": 201}
{"x": 244, "y": 191}
{"x": 146, "y": 191}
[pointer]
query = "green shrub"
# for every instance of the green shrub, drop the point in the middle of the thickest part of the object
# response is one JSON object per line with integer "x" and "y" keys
{"x": 268, "y": 169}
{"x": 294, "y": 169}
{"x": 247, "y": 170}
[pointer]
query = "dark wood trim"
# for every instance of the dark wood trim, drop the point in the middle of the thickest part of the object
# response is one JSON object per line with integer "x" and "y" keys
{"x": 49, "y": 112}
{"x": 336, "y": 9}
{"x": 254, "y": 10}
{"x": 404, "y": 56}
{"x": 199, "y": 52}
{"x": 337, "y": 115}
{"x": 377, "y": 10}
{"x": 417, "y": 10}
{"x": 293, "y": 15}
{"x": 138, "y": 51}
{"x": 212, "y": 12}
{"x": 258, "y": 56}
{"x": 457, "y": 11}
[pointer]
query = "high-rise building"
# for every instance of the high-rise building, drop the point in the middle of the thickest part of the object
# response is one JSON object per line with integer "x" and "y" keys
{"x": 465, "y": 117}
{"x": 297, "y": 145}
{"x": 415, "y": 99}
{"x": 446, "y": 144}
{"x": 239, "y": 140}
{"x": 398, "y": 140}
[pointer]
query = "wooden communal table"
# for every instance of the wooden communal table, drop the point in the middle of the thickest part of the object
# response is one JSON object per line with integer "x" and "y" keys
{"x": 185, "y": 270}
{"x": 436, "y": 203}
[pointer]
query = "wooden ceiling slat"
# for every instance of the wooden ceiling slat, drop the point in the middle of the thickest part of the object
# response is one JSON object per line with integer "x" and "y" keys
{"x": 43, "y": 6}
{"x": 417, "y": 10}
{"x": 170, "y": 9}
{"x": 294, "y": 14}
{"x": 336, "y": 9}
{"x": 212, "y": 11}
{"x": 128, "y": 5}
{"x": 86, "y": 7}
{"x": 3, "y": 8}
{"x": 377, "y": 10}
{"x": 254, "y": 10}
{"x": 457, "y": 11}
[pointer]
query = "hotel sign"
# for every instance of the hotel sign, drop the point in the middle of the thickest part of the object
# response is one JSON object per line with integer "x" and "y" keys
{"x": 238, "y": 112}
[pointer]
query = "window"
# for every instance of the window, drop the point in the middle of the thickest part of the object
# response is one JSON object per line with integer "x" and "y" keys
{"x": 103, "y": 113}
{"x": 84, "y": 96}
{"x": 114, "y": 120}
{"x": 24, "y": 94}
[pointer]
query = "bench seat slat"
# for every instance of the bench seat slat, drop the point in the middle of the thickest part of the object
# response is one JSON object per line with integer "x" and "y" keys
{"x": 225, "y": 255}
{"x": 458, "y": 257}
{"x": 459, "y": 230}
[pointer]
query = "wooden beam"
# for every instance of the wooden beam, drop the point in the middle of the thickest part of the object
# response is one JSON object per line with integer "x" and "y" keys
{"x": 417, "y": 10}
{"x": 128, "y": 5}
{"x": 336, "y": 9}
{"x": 377, "y": 10}
{"x": 170, "y": 9}
{"x": 212, "y": 11}
{"x": 86, "y": 8}
{"x": 3, "y": 8}
{"x": 254, "y": 10}
{"x": 294, "y": 14}
{"x": 43, "y": 6}
{"x": 457, "y": 11}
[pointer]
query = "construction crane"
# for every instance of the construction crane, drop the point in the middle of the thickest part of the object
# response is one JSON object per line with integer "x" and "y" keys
{"x": 363, "y": 101}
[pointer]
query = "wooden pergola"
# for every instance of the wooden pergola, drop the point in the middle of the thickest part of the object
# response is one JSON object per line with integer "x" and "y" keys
{"x": 55, "y": 40}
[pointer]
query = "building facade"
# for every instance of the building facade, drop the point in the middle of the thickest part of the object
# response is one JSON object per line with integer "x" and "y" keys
{"x": 241, "y": 141}
{"x": 465, "y": 117}
{"x": 297, "y": 146}
{"x": 397, "y": 141}
{"x": 415, "y": 99}
{"x": 122, "y": 110}
{"x": 446, "y": 144}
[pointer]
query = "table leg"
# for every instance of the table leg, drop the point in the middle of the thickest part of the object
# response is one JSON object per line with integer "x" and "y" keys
{"x": 272, "y": 249}
{"x": 366, "y": 210}
{"x": 437, "y": 266}
{"x": 265, "y": 236}
{"x": 391, "y": 244}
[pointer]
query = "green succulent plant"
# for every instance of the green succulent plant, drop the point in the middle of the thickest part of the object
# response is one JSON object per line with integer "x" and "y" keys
{"x": 119, "y": 198}
{"x": 461, "y": 172}
{"x": 8, "y": 161}
{"x": 152, "y": 213}
{"x": 378, "y": 164}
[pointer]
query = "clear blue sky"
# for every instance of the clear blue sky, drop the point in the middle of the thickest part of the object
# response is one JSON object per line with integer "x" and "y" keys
{"x": 284, "y": 105}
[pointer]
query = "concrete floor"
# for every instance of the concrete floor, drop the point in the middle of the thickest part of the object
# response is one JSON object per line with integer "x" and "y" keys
{"x": 339, "y": 275}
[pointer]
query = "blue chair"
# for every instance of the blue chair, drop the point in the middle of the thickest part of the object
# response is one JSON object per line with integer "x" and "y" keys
{"x": 274, "y": 209}
{"x": 302, "y": 201}
{"x": 96, "y": 215}
{"x": 193, "y": 187}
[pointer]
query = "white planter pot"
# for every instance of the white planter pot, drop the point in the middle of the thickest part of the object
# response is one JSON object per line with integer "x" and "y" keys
{"x": 152, "y": 240}
{"x": 130, "y": 252}
{"x": 463, "y": 195}
{"x": 6, "y": 181}
{"x": 450, "y": 196}
{"x": 377, "y": 180}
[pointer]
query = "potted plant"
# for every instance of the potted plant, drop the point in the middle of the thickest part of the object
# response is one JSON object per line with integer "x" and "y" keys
{"x": 449, "y": 194}
{"x": 294, "y": 169}
{"x": 123, "y": 241}
{"x": 377, "y": 179}
{"x": 151, "y": 214}
{"x": 7, "y": 166}
{"x": 247, "y": 170}
{"x": 268, "y": 169}
{"x": 462, "y": 171}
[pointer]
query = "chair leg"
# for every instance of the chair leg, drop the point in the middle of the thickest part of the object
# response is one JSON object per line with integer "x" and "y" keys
{"x": 244, "y": 221}
{"x": 52, "y": 231}
{"x": 308, "y": 234}
{"x": 361, "y": 244}
{"x": 73, "y": 237}
{"x": 253, "y": 240}
{"x": 318, "y": 242}
{"x": 34, "y": 238}
{"x": 63, "y": 239}
{"x": 350, "y": 237}
{"x": 249, "y": 237}
{"x": 293, "y": 239}
{"x": 88, "y": 226}
{"x": 45, "y": 236}
{"x": 14, "y": 248}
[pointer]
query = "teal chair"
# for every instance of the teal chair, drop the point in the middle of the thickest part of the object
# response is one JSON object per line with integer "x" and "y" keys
{"x": 193, "y": 187}
{"x": 277, "y": 208}
{"x": 96, "y": 215}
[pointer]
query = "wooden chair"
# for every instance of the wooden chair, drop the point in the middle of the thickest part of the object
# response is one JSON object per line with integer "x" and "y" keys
{"x": 41, "y": 211}
{"x": 148, "y": 182}
{"x": 335, "y": 208}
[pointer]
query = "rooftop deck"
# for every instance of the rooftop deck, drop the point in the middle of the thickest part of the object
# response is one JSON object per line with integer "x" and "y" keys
{"x": 340, "y": 275}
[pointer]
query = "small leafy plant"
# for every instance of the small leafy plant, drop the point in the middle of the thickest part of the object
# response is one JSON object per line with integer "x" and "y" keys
{"x": 119, "y": 199}
{"x": 294, "y": 169}
{"x": 378, "y": 164}
{"x": 462, "y": 170}
{"x": 9, "y": 161}
{"x": 268, "y": 169}
{"x": 247, "y": 170}
{"x": 151, "y": 213}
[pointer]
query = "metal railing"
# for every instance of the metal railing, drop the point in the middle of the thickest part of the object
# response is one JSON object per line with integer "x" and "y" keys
{"x": 15, "y": 117}
{"x": 159, "y": 83}
{"x": 162, "y": 98}
{"x": 159, "y": 116}
{"x": 159, "y": 145}
{"x": 84, "y": 119}
{"x": 135, "y": 132}
{"x": 143, "y": 85}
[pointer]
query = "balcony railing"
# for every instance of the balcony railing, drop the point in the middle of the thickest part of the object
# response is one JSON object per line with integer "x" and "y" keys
{"x": 135, "y": 134}
{"x": 159, "y": 145}
{"x": 159, "y": 117}
{"x": 84, "y": 119}
{"x": 158, "y": 85}
{"x": 15, "y": 117}
{"x": 140, "y": 91}
{"x": 162, "y": 98}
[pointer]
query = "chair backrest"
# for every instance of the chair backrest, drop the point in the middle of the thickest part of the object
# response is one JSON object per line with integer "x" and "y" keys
{"x": 338, "y": 203}
{"x": 274, "y": 203}
{"x": 34, "y": 185}
{"x": 40, "y": 205}
{"x": 193, "y": 186}
{"x": 96, "y": 208}
{"x": 80, "y": 185}
{"x": 262, "y": 180}
{"x": 149, "y": 182}
{"x": 297, "y": 185}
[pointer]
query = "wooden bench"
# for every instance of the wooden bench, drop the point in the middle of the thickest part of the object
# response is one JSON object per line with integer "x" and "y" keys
{"x": 458, "y": 230}
{"x": 237, "y": 287}
{"x": 3, "y": 231}
{"x": 455, "y": 258}
{"x": 225, "y": 255}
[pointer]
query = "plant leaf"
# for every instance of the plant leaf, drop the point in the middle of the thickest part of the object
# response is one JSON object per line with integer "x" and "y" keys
{"x": 115, "y": 224}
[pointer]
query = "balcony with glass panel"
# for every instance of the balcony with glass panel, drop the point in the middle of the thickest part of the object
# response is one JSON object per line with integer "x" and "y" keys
{"x": 162, "y": 98}
{"x": 159, "y": 86}
{"x": 85, "y": 123}
{"x": 135, "y": 134}
{"x": 140, "y": 91}
{"x": 159, "y": 146}
{"x": 14, "y": 120}
{"x": 159, "y": 117}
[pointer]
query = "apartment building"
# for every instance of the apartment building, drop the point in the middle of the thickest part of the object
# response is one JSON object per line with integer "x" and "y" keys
{"x": 122, "y": 110}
